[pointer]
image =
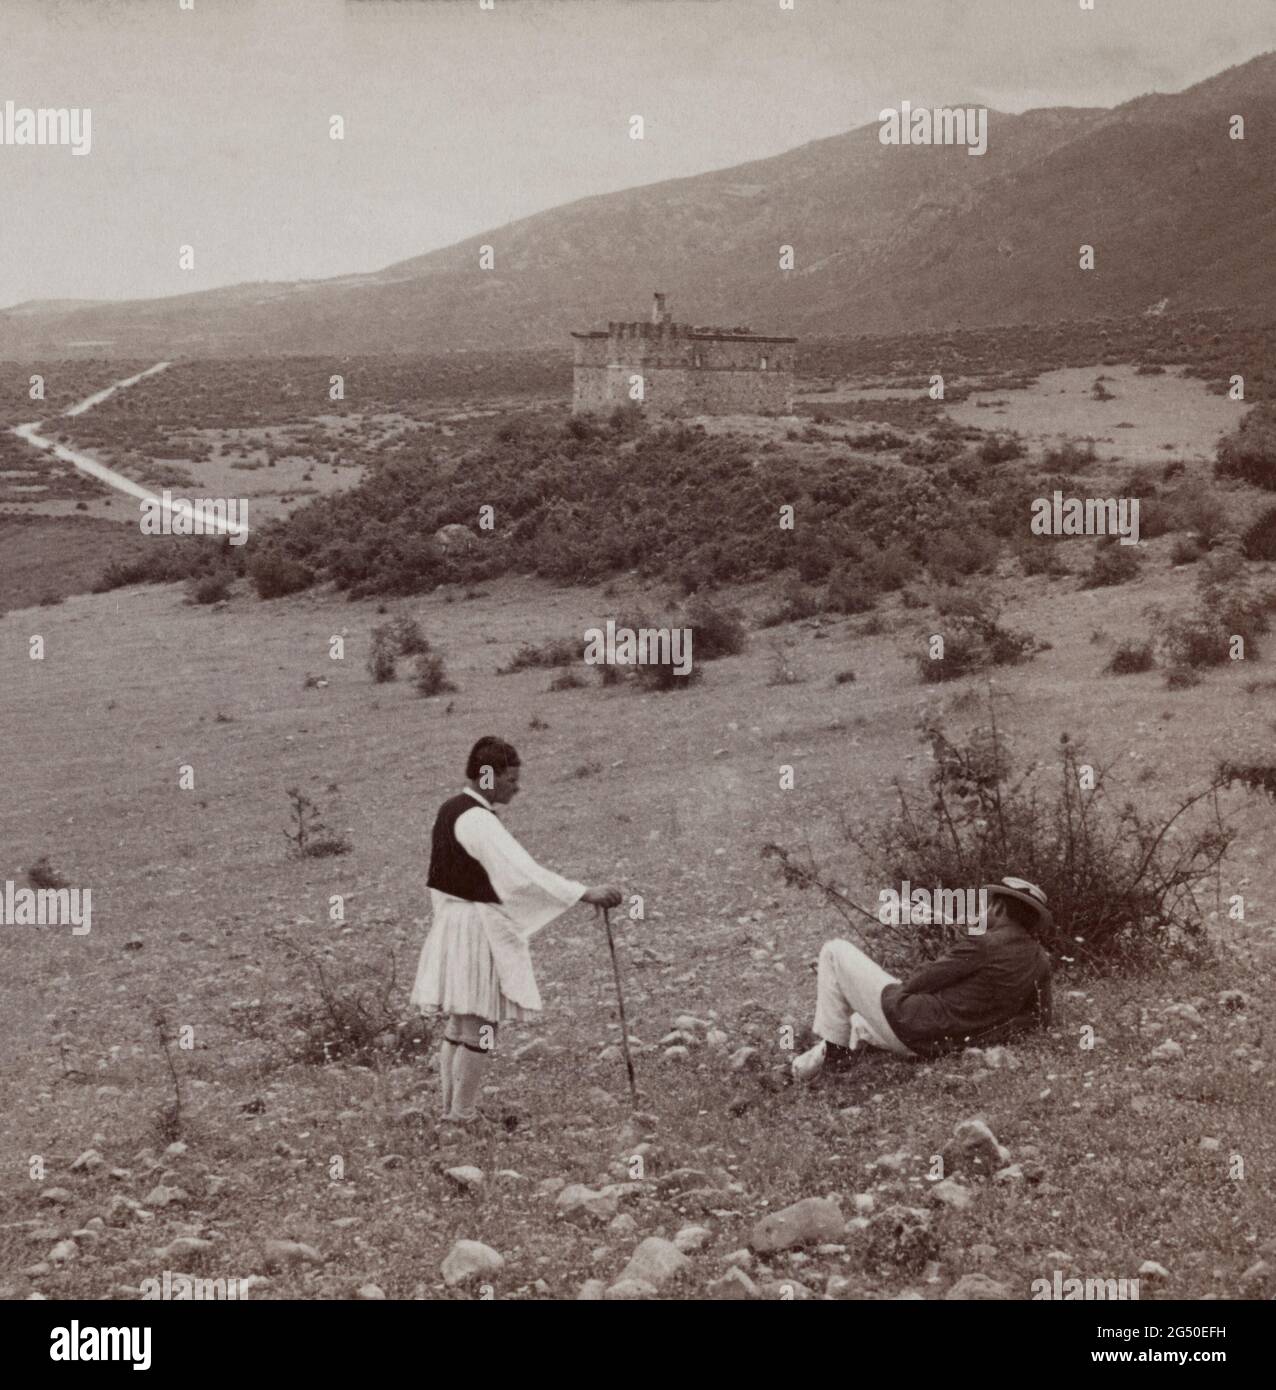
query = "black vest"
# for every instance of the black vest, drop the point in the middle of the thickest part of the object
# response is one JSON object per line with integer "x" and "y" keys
{"x": 452, "y": 868}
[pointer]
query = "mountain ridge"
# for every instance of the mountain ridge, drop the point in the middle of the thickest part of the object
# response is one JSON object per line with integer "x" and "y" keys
{"x": 886, "y": 239}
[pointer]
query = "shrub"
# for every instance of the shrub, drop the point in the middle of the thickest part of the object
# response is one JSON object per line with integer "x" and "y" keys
{"x": 383, "y": 654}
{"x": 717, "y": 631}
{"x": 955, "y": 554}
{"x": 1000, "y": 448}
{"x": 796, "y": 602}
{"x": 784, "y": 670}
{"x": 662, "y": 677}
{"x": 356, "y": 1020}
{"x": 974, "y": 640}
{"x": 558, "y": 651}
{"x": 430, "y": 676}
{"x": 1112, "y": 564}
{"x": 1130, "y": 658}
{"x": 1186, "y": 550}
{"x": 209, "y": 588}
{"x": 1122, "y": 881}
{"x": 1259, "y": 539}
{"x": 42, "y": 874}
{"x": 566, "y": 680}
{"x": 1181, "y": 678}
{"x": 1226, "y": 607}
{"x": 309, "y": 837}
{"x": 1068, "y": 457}
{"x": 1041, "y": 555}
{"x": 844, "y": 677}
{"x": 407, "y": 638}
{"x": 275, "y": 575}
{"x": 850, "y": 590}
{"x": 1249, "y": 452}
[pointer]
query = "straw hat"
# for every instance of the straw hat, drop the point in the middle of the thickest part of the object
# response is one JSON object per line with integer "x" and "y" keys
{"x": 1026, "y": 893}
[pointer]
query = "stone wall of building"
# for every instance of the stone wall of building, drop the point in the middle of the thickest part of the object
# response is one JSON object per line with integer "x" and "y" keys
{"x": 685, "y": 370}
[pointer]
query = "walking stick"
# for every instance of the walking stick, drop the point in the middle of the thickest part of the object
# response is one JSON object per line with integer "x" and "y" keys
{"x": 620, "y": 999}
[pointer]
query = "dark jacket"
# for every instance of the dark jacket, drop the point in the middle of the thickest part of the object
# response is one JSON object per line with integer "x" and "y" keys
{"x": 986, "y": 989}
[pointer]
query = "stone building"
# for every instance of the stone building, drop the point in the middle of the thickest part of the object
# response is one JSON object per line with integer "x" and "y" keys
{"x": 674, "y": 368}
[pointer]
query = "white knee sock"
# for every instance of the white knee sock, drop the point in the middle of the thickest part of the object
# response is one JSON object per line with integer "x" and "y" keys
{"x": 468, "y": 1067}
{"x": 446, "y": 1049}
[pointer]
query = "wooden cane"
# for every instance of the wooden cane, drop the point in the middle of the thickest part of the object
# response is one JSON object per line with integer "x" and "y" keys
{"x": 620, "y": 1000}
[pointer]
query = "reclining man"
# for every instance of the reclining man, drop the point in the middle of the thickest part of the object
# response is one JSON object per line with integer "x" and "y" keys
{"x": 992, "y": 986}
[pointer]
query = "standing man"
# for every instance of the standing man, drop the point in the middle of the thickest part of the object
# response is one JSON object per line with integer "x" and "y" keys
{"x": 488, "y": 898}
{"x": 991, "y": 986}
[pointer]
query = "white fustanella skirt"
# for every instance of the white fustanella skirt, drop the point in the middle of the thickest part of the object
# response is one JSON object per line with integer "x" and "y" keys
{"x": 474, "y": 961}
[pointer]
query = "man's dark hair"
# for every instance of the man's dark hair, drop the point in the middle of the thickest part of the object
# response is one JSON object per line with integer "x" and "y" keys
{"x": 1019, "y": 912}
{"x": 492, "y": 752}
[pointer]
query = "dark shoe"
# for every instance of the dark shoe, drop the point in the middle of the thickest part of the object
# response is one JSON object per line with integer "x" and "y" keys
{"x": 840, "y": 1059}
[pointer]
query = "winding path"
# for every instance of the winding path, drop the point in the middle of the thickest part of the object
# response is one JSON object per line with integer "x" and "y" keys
{"x": 207, "y": 521}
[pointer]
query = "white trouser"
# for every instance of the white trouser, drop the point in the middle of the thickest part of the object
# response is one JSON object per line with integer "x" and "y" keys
{"x": 848, "y": 1001}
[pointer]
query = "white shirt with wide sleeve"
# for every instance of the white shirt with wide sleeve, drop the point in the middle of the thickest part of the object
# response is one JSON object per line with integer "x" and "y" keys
{"x": 531, "y": 896}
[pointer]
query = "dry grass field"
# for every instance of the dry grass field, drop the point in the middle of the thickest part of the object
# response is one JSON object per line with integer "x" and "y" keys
{"x": 201, "y": 981}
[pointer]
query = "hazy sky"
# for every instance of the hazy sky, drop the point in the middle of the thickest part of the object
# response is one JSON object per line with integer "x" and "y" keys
{"x": 210, "y": 127}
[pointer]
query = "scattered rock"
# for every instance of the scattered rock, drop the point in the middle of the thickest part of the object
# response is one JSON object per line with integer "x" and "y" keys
{"x": 1186, "y": 1012}
{"x": 974, "y": 1149}
{"x": 745, "y": 1059}
{"x": 786, "y": 1290}
{"x": 807, "y": 1222}
{"x": 1258, "y": 1273}
{"x": 734, "y": 1284}
{"x": 677, "y": 1054}
{"x": 655, "y": 1262}
{"x": 89, "y": 1161}
{"x": 630, "y": 1291}
{"x": 580, "y": 1203}
{"x": 162, "y": 1196}
{"x": 468, "y": 1259}
{"x": 63, "y": 1251}
{"x": 1235, "y": 1001}
{"x": 55, "y": 1196}
{"x": 692, "y": 1238}
{"x": 120, "y": 1208}
{"x": 977, "y": 1286}
{"x": 1167, "y": 1051}
{"x": 953, "y": 1194}
{"x": 279, "y": 1254}
{"x": 183, "y": 1245}
{"x": 370, "y": 1293}
{"x": 466, "y": 1177}
{"x": 1012, "y": 1172}
{"x": 682, "y": 1180}
{"x": 900, "y": 1236}
{"x": 591, "y": 1291}
{"x": 1149, "y": 1269}
{"x": 742, "y": 1258}
{"x": 529, "y": 1052}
